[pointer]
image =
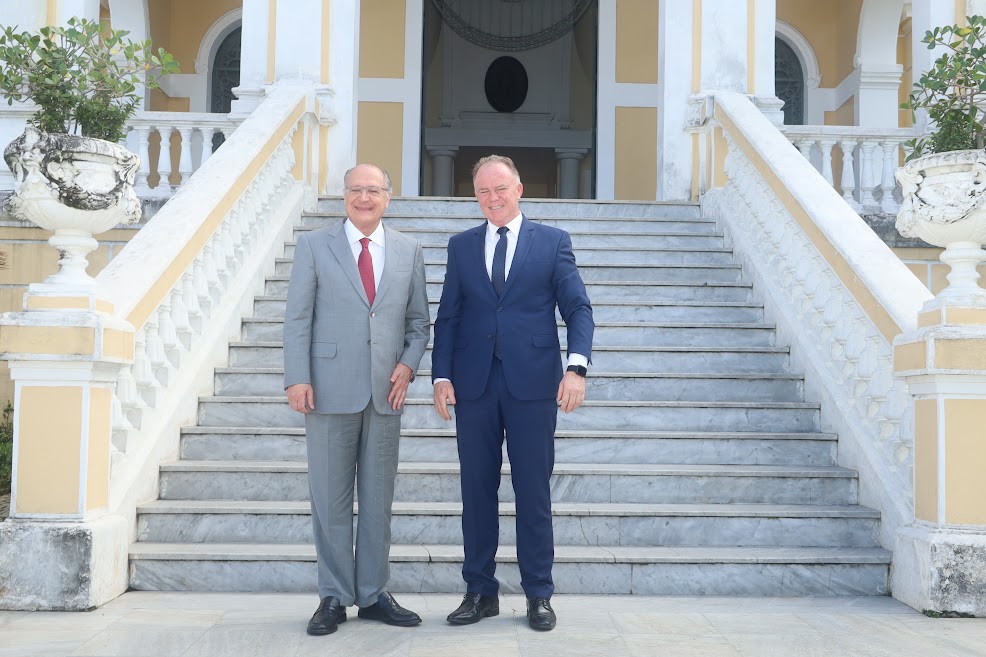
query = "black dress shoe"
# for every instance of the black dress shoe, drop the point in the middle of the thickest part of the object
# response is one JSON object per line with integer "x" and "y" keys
{"x": 540, "y": 615}
{"x": 327, "y": 617}
{"x": 474, "y": 608}
{"x": 388, "y": 611}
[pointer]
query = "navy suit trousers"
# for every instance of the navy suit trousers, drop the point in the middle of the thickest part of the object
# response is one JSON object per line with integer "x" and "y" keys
{"x": 529, "y": 428}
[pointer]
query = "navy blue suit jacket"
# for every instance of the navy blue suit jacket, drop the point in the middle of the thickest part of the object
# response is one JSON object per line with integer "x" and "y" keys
{"x": 542, "y": 275}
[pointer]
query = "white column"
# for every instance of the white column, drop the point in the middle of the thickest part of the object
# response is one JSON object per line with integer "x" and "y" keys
{"x": 724, "y": 52}
{"x": 66, "y": 9}
{"x": 674, "y": 153}
{"x": 877, "y": 102}
{"x": 926, "y": 15}
{"x": 253, "y": 57}
{"x": 568, "y": 170}
{"x": 298, "y": 40}
{"x": 443, "y": 170}
{"x": 343, "y": 78}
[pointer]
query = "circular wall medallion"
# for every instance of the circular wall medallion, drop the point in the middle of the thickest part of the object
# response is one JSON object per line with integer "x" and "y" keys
{"x": 506, "y": 84}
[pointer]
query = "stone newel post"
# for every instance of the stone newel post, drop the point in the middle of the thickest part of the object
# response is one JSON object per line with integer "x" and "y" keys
{"x": 940, "y": 559}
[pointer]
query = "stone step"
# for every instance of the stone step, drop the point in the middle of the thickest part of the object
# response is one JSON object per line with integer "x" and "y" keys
{"x": 269, "y": 327}
{"x": 723, "y": 525}
{"x": 661, "y": 334}
{"x": 438, "y": 445}
{"x": 600, "y": 293}
{"x": 597, "y": 255}
{"x": 608, "y": 270}
{"x": 733, "y": 360}
{"x": 453, "y": 224}
{"x": 440, "y": 206}
{"x": 775, "y": 571}
{"x": 571, "y": 482}
{"x": 599, "y": 386}
{"x": 587, "y": 238}
{"x": 592, "y": 415}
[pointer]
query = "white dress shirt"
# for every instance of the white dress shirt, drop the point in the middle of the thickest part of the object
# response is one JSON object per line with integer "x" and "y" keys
{"x": 492, "y": 237}
{"x": 376, "y": 247}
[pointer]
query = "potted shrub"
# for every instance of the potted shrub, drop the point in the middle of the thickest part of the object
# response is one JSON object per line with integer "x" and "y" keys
{"x": 944, "y": 179}
{"x": 71, "y": 175}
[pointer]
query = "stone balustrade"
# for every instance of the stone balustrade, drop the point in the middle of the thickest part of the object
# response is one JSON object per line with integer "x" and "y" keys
{"x": 174, "y": 145}
{"x": 838, "y": 294}
{"x": 858, "y": 162}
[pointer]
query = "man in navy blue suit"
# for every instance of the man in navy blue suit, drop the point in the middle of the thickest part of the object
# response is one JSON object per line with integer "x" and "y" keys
{"x": 496, "y": 358}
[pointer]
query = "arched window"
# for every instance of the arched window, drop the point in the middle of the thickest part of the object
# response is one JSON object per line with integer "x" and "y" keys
{"x": 789, "y": 82}
{"x": 225, "y": 73}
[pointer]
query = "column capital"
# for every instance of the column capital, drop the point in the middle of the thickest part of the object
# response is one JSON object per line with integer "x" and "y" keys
{"x": 570, "y": 153}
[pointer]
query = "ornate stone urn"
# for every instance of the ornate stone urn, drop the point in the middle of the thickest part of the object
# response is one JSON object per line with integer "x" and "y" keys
{"x": 76, "y": 187}
{"x": 944, "y": 203}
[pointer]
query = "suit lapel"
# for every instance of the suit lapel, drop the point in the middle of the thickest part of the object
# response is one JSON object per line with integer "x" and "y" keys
{"x": 343, "y": 253}
{"x": 525, "y": 236}
{"x": 391, "y": 260}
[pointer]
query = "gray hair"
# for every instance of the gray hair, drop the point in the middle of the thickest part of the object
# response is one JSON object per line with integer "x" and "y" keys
{"x": 495, "y": 159}
{"x": 386, "y": 176}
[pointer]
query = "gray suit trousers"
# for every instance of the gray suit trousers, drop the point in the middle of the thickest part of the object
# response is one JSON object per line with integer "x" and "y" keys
{"x": 342, "y": 447}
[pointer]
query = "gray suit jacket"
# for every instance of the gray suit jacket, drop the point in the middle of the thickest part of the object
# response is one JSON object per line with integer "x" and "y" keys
{"x": 334, "y": 340}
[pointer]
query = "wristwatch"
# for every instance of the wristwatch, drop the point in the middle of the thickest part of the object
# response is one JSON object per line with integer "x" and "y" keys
{"x": 581, "y": 370}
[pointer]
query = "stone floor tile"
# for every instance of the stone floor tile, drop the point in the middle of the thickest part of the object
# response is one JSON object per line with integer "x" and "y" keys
{"x": 451, "y": 646}
{"x": 238, "y": 642}
{"x": 778, "y": 623}
{"x": 359, "y": 643}
{"x": 8, "y": 617}
{"x": 687, "y": 624}
{"x": 146, "y": 643}
{"x": 671, "y": 645}
{"x": 761, "y": 645}
{"x": 34, "y": 641}
{"x": 182, "y": 619}
{"x": 562, "y": 643}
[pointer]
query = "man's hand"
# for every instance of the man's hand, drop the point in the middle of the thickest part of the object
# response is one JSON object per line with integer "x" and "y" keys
{"x": 400, "y": 379}
{"x": 571, "y": 391}
{"x": 444, "y": 395}
{"x": 301, "y": 398}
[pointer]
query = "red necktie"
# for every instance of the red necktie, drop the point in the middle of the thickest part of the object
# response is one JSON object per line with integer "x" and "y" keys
{"x": 365, "y": 266}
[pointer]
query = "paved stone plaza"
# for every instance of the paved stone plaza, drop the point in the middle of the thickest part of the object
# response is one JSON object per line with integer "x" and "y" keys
{"x": 248, "y": 625}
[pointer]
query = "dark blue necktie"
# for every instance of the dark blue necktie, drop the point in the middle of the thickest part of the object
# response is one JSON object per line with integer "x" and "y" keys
{"x": 499, "y": 276}
{"x": 499, "y": 273}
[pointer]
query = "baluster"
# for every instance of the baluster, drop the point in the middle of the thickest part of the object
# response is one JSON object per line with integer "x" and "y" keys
{"x": 160, "y": 365}
{"x": 201, "y": 279}
{"x": 229, "y": 252}
{"x": 848, "y": 147}
{"x": 143, "y": 150}
{"x": 168, "y": 333}
{"x": 826, "y": 145}
{"x": 219, "y": 258}
{"x": 164, "y": 161}
{"x": 887, "y": 183}
{"x": 235, "y": 222}
{"x": 215, "y": 266}
{"x": 185, "y": 162}
{"x": 127, "y": 390}
{"x": 190, "y": 299}
{"x": 867, "y": 177}
{"x": 805, "y": 145}
{"x": 207, "y": 135}
{"x": 119, "y": 424}
{"x": 179, "y": 318}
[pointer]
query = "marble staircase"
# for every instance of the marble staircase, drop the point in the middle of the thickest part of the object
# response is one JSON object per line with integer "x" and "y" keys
{"x": 696, "y": 467}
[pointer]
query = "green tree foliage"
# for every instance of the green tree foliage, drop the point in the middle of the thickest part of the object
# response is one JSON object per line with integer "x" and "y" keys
{"x": 954, "y": 90}
{"x": 85, "y": 77}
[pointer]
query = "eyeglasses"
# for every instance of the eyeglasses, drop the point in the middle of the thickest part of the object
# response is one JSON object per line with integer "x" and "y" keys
{"x": 371, "y": 191}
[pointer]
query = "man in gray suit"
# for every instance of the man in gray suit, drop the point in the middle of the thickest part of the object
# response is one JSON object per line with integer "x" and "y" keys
{"x": 355, "y": 329}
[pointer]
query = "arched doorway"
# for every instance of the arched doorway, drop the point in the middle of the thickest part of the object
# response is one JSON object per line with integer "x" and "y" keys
{"x": 789, "y": 82}
{"x": 224, "y": 76}
{"x": 511, "y": 78}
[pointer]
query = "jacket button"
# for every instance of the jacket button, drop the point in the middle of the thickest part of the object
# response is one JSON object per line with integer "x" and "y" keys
{"x": 500, "y": 309}
{"x": 373, "y": 314}
{"x": 369, "y": 342}
{"x": 490, "y": 336}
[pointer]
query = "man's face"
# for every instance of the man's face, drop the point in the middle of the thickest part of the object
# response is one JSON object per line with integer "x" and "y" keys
{"x": 366, "y": 204}
{"x": 498, "y": 191}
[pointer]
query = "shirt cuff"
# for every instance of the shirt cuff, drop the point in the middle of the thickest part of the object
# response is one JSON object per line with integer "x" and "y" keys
{"x": 578, "y": 359}
{"x": 439, "y": 380}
